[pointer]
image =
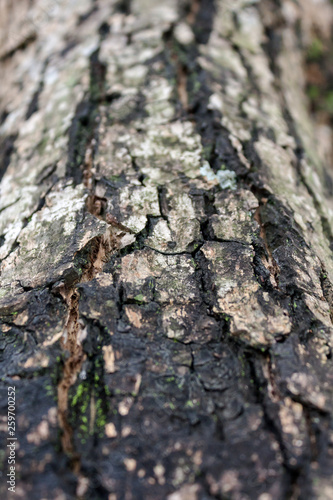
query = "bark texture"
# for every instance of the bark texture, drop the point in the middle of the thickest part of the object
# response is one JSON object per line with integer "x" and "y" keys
{"x": 166, "y": 251}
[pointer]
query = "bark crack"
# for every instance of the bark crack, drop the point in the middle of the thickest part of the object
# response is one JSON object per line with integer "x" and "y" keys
{"x": 99, "y": 251}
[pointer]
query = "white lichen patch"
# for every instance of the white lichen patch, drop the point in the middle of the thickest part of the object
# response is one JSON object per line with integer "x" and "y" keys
{"x": 207, "y": 172}
{"x": 226, "y": 178}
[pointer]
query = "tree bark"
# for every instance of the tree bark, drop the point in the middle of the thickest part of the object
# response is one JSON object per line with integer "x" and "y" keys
{"x": 166, "y": 251}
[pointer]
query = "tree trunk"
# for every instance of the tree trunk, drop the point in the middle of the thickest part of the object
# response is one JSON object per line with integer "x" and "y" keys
{"x": 166, "y": 251}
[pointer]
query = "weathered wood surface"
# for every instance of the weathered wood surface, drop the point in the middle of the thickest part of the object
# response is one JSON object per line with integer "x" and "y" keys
{"x": 166, "y": 251}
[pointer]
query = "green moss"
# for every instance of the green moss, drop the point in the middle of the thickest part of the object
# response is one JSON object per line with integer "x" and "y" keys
{"x": 72, "y": 81}
{"x": 50, "y": 390}
{"x": 100, "y": 415}
{"x": 139, "y": 298}
{"x": 316, "y": 50}
{"x": 79, "y": 392}
{"x": 313, "y": 92}
{"x": 329, "y": 102}
{"x": 42, "y": 146}
{"x": 207, "y": 151}
{"x": 114, "y": 178}
{"x": 189, "y": 404}
{"x": 80, "y": 403}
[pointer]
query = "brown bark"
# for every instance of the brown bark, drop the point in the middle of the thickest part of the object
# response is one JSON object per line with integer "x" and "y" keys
{"x": 166, "y": 249}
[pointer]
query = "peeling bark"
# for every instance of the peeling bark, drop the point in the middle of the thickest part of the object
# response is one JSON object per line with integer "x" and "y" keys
{"x": 166, "y": 298}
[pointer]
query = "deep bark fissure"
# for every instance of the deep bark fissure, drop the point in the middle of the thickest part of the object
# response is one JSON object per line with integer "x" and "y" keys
{"x": 7, "y": 147}
{"x": 33, "y": 105}
{"x": 21, "y": 45}
{"x": 327, "y": 289}
{"x": 85, "y": 134}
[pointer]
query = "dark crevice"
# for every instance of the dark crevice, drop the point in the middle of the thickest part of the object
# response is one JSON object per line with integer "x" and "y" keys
{"x": 12, "y": 249}
{"x": 22, "y": 45}
{"x": 203, "y": 20}
{"x": 10, "y": 204}
{"x": 84, "y": 17}
{"x": 3, "y": 116}
{"x": 79, "y": 135}
{"x": 163, "y": 202}
{"x": 168, "y": 253}
{"x": 97, "y": 78}
{"x": 7, "y": 147}
{"x": 272, "y": 47}
{"x": 33, "y": 105}
{"x": 47, "y": 174}
{"x": 71, "y": 44}
{"x": 41, "y": 204}
{"x": 124, "y": 7}
{"x": 204, "y": 279}
{"x": 83, "y": 130}
{"x": 327, "y": 289}
{"x": 250, "y": 75}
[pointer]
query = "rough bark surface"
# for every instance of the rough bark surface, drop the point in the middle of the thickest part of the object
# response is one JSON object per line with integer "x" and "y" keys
{"x": 166, "y": 251}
